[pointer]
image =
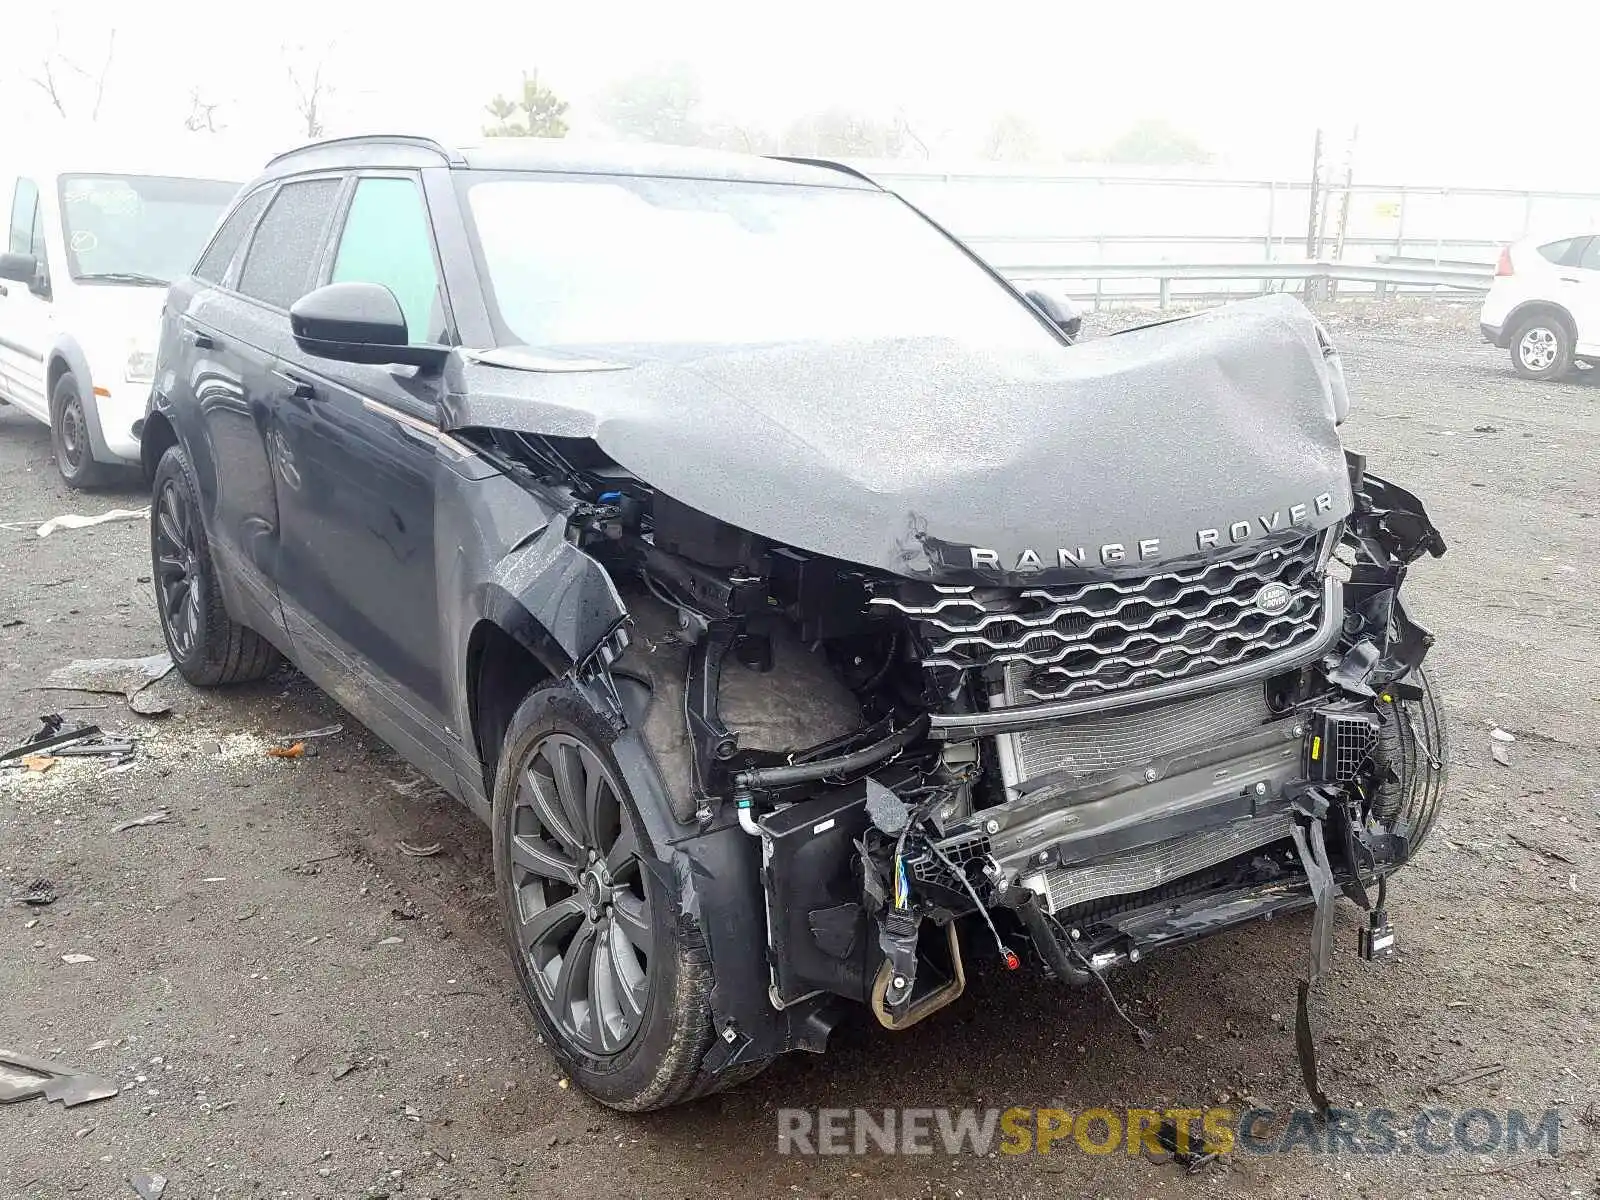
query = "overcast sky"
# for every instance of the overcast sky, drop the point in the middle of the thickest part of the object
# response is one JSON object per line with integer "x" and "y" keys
{"x": 1439, "y": 94}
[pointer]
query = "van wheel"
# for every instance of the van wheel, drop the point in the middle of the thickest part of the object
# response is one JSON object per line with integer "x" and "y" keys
{"x": 1541, "y": 348}
{"x": 207, "y": 645}
{"x": 617, "y": 977}
{"x": 69, "y": 437}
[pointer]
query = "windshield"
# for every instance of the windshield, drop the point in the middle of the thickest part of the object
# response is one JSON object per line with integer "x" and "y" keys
{"x": 602, "y": 260}
{"x": 138, "y": 228}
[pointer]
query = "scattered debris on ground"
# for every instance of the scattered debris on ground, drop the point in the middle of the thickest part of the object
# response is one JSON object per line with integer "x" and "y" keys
{"x": 415, "y": 851}
{"x": 125, "y": 677}
{"x": 297, "y": 750}
{"x": 160, "y": 817}
{"x": 39, "y": 894}
{"x": 23, "y": 1077}
{"x": 149, "y": 1184}
{"x": 310, "y": 735}
{"x": 74, "y": 521}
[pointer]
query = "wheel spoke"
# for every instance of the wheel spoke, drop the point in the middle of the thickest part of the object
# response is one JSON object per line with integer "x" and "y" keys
{"x": 572, "y": 983}
{"x": 551, "y": 922}
{"x": 605, "y": 993}
{"x": 629, "y": 971}
{"x": 624, "y": 850}
{"x": 532, "y": 854}
{"x": 569, "y": 779}
{"x": 633, "y": 918}
{"x": 536, "y": 793}
{"x": 169, "y": 566}
{"x": 168, "y": 523}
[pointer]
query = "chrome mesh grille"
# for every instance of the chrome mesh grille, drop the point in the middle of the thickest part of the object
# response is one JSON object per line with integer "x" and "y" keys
{"x": 1116, "y": 741}
{"x": 1140, "y": 870}
{"x": 1114, "y": 635}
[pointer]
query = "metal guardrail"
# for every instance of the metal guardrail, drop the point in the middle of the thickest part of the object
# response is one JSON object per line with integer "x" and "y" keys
{"x": 1312, "y": 275}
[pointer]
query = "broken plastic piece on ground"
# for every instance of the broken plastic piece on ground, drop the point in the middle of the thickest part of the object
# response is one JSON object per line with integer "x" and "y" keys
{"x": 74, "y": 521}
{"x": 125, "y": 677}
{"x": 38, "y": 763}
{"x": 1500, "y": 754}
{"x": 22, "y": 1078}
{"x": 297, "y": 750}
{"x": 74, "y": 960}
{"x": 149, "y": 1184}
{"x": 160, "y": 817}
{"x": 50, "y": 735}
{"x": 308, "y": 735}
{"x": 427, "y": 851}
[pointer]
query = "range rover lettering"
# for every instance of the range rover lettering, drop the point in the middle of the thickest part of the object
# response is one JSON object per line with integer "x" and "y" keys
{"x": 814, "y": 619}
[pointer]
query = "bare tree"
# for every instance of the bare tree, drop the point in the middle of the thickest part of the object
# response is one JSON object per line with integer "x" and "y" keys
{"x": 201, "y": 114}
{"x": 49, "y": 81}
{"x": 309, "y": 82}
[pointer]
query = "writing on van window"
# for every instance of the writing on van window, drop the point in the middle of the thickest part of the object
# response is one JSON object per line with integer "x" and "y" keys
{"x": 138, "y": 229}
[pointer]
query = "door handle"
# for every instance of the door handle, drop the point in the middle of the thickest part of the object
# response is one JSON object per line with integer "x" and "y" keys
{"x": 4, "y": 290}
{"x": 202, "y": 341}
{"x": 1570, "y": 279}
{"x": 299, "y": 389}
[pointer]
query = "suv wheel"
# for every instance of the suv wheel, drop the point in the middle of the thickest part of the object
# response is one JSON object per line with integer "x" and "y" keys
{"x": 69, "y": 437}
{"x": 1541, "y": 348}
{"x": 617, "y": 980}
{"x": 207, "y": 645}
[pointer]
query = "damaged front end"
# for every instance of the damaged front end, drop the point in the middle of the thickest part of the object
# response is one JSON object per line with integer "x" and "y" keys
{"x": 879, "y": 762}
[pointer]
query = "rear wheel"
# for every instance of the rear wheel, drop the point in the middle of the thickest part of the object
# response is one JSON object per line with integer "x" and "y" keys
{"x": 1541, "y": 347}
{"x": 207, "y": 645}
{"x": 617, "y": 977}
{"x": 69, "y": 437}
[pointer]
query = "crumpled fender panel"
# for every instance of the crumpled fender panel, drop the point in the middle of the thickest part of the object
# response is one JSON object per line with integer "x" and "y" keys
{"x": 1389, "y": 530}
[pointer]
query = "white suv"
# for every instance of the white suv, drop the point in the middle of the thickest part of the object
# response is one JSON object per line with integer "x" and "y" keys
{"x": 92, "y": 241}
{"x": 1544, "y": 304}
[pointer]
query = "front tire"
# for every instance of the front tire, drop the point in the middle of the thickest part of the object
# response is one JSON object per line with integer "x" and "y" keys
{"x": 1541, "y": 348}
{"x": 616, "y": 975}
{"x": 208, "y": 646}
{"x": 69, "y": 437}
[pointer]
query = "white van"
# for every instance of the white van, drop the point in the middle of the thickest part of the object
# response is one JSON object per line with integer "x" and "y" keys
{"x": 93, "y": 238}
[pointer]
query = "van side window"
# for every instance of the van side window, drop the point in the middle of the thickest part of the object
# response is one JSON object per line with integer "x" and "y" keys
{"x": 24, "y": 218}
{"x": 281, "y": 263}
{"x": 387, "y": 240}
{"x": 213, "y": 264}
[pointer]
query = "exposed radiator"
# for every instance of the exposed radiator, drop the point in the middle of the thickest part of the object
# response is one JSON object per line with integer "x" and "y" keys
{"x": 1140, "y": 870}
{"x": 1103, "y": 744}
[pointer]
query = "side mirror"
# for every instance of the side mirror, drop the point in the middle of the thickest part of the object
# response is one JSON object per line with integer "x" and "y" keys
{"x": 359, "y": 323}
{"x": 1059, "y": 311}
{"x": 19, "y": 268}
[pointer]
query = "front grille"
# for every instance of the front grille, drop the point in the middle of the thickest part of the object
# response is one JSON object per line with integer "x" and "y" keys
{"x": 1115, "y": 741}
{"x": 1110, "y": 636}
{"x": 1139, "y": 870}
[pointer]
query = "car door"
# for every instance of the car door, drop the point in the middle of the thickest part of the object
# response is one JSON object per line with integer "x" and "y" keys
{"x": 230, "y": 329}
{"x": 27, "y": 314}
{"x": 1584, "y": 280}
{"x": 358, "y": 578}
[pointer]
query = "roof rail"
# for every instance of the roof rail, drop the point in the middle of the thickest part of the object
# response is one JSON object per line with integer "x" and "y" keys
{"x": 375, "y": 139}
{"x": 827, "y": 164}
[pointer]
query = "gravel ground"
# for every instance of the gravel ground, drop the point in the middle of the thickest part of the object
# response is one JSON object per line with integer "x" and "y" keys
{"x": 296, "y": 1008}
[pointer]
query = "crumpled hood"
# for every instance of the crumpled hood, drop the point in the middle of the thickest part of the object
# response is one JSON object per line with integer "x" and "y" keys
{"x": 943, "y": 461}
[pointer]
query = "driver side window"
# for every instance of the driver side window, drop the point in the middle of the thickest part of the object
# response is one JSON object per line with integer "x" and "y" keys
{"x": 387, "y": 240}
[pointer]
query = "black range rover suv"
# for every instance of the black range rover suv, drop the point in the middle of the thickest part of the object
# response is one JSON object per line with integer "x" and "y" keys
{"x": 810, "y": 619}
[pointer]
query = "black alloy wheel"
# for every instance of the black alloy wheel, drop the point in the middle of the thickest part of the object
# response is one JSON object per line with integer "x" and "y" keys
{"x": 582, "y": 908}
{"x": 180, "y": 578}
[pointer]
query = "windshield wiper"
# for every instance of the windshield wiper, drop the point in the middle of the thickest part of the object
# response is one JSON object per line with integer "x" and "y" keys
{"x": 138, "y": 277}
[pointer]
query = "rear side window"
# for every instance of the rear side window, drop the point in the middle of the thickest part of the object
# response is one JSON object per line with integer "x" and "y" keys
{"x": 24, "y": 215}
{"x": 1590, "y": 260}
{"x": 387, "y": 240}
{"x": 213, "y": 264}
{"x": 281, "y": 263}
{"x": 1557, "y": 252}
